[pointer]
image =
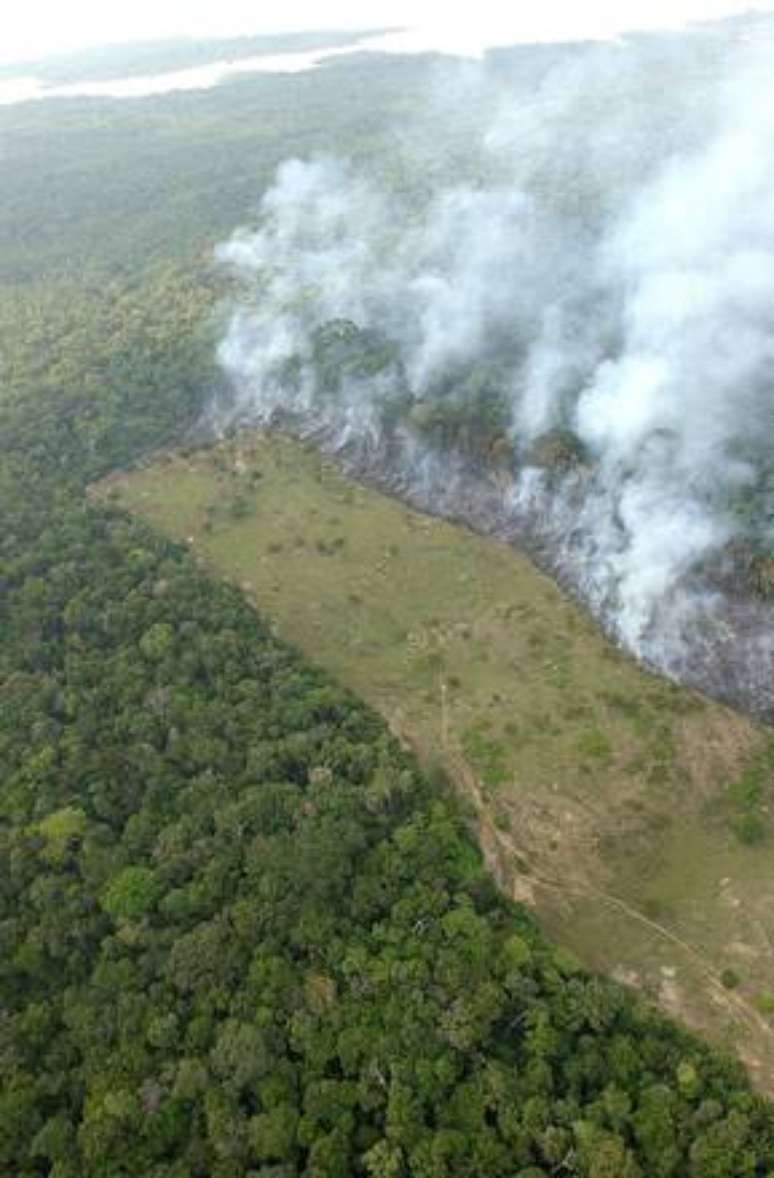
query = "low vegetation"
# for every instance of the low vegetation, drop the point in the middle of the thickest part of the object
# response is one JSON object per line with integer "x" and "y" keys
{"x": 243, "y": 932}
{"x": 631, "y": 813}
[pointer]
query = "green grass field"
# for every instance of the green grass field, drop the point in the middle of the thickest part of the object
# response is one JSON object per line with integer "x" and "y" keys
{"x": 632, "y": 814}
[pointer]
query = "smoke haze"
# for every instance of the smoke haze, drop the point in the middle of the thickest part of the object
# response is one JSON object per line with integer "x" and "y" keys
{"x": 579, "y": 247}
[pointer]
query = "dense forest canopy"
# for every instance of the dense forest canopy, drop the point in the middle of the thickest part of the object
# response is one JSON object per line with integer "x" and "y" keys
{"x": 242, "y": 933}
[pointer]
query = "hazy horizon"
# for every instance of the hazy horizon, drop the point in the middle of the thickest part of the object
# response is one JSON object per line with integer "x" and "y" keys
{"x": 44, "y": 30}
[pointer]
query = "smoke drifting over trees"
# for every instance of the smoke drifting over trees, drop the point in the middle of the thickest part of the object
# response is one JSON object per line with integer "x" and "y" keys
{"x": 550, "y": 295}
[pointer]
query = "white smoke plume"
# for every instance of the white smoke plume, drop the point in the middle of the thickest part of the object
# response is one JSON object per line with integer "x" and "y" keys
{"x": 591, "y": 253}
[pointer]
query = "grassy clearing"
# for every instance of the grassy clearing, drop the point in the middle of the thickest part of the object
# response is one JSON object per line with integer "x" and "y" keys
{"x": 634, "y": 815}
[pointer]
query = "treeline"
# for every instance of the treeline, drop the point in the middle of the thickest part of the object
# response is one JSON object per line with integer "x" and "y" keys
{"x": 242, "y": 933}
{"x": 468, "y": 413}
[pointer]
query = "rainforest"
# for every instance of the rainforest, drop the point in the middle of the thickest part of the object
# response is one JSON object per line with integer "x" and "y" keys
{"x": 386, "y": 566}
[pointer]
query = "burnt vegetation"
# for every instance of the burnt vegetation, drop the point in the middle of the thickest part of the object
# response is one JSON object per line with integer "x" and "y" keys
{"x": 242, "y": 933}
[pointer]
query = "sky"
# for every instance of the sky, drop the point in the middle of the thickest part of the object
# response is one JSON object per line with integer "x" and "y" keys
{"x": 36, "y": 28}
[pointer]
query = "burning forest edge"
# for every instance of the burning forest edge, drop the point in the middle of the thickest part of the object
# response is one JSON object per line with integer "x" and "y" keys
{"x": 561, "y": 337}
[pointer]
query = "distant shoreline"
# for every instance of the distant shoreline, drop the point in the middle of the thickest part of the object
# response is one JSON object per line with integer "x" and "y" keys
{"x": 149, "y": 69}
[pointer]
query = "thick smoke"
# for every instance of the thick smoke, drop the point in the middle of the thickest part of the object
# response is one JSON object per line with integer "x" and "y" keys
{"x": 588, "y": 254}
